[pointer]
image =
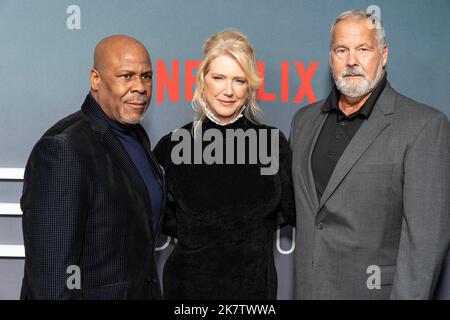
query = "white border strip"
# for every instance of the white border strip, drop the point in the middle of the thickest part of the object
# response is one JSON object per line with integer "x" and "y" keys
{"x": 12, "y": 251}
{"x": 10, "y": 209}
{"x": 12, "y": 173}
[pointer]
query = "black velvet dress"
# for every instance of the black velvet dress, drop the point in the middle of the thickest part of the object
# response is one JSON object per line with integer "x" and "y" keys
{"x": 224, "y": 217}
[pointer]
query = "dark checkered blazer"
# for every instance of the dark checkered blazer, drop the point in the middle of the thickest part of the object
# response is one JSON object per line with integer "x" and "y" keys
{"x": 85, "y": 204}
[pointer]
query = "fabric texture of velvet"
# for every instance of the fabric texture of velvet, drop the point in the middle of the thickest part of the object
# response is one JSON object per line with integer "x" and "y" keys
{"x": 224, "y": 217}
{"x": 85, "y": 204}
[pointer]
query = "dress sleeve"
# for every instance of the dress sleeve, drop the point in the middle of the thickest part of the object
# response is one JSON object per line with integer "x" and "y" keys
{"x": 162, "y": 152}
{"x": 286, "y": 213}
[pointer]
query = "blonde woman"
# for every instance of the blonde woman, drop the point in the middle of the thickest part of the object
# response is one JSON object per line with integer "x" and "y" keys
{"x": 229, "y": 183}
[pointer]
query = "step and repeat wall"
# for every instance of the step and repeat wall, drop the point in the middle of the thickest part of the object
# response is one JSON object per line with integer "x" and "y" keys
{"x": 46, "y": 54}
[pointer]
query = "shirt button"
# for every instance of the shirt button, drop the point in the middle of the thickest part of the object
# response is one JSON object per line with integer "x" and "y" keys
{"x": 338, "y": 137}
{"x": 320, "y": 226}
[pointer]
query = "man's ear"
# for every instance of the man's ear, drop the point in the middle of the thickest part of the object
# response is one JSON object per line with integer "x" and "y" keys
{"x": 95, "y": 79}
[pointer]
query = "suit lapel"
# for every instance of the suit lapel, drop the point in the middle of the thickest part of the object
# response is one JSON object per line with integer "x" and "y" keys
{"x": 123, "y": 161}
{"x": 315, "y": 127}
{"x": 119, "y": 155}
{"x": 146, "y": 144}
{"x": 158, "y": 170}
{"x": 363, "y": 138}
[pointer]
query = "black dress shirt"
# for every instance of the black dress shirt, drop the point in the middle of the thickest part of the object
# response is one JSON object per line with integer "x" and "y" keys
{"x": 337, "y": 132}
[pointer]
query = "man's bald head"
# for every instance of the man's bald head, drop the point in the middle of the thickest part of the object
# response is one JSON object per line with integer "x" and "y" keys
{"x": 121, "y": 78}
{"x": 113, "y": 46}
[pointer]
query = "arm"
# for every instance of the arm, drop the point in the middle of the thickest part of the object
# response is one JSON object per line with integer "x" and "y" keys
{"x": 287, "y": 206}
{"x": 53, "y": 206}
{"x": 162, "y": 153}
{"x": 425, "y": 233}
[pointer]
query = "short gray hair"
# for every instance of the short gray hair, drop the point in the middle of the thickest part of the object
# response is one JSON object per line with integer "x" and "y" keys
{"x": 361, "y": 15}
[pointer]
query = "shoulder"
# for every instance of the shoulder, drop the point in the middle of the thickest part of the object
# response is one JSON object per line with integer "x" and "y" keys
{"x": 414, "y": 115}
{"x": 64, "y": 133}
{"x": 308, "y": 111}
{"x": 166, "y": 139}
{"x": 54, "y": 153}
{"x": 74, "y": 130}
{"x": 414, "y": 109}
{"x": 283, "y": 142}
{"x": 68, "y": 126}
{"x": 166, "y": 143}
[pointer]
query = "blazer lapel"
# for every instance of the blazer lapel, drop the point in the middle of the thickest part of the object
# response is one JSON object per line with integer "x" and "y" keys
{"x": 158, "y": 172}
{"x": 147, "y": 147}
{"x": 122, "y": 159}
{"x": 315, "y": 127}
{"x": 366, "y": 134}
{"x": 118, "y": 154}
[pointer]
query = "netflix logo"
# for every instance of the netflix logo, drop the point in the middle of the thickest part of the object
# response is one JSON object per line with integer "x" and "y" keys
{"x": 168, "y": 81}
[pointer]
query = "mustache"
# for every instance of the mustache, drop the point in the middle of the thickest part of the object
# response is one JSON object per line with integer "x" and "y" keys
{"x": 139, "y": 97}
{"x": 353, "y": 71}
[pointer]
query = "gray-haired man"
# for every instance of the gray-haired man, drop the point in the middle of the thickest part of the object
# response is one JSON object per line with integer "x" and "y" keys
{"x": 371, "y": 177}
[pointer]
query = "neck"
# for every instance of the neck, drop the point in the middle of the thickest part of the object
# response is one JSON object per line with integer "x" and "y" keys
{"x": 221, "y": 122}
{"x": 349, "y": 105}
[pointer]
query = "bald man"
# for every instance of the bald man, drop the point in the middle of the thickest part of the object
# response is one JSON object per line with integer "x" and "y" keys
{"x": 93, "y": 192}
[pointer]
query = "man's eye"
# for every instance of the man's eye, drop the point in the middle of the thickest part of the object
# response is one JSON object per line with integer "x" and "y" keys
{"x": 126, "y": 76}
{"x": 147, "y": 77}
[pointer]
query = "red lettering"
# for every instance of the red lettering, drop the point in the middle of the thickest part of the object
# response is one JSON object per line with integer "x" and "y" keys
{"x": 168, "y": 77}
{"x": 285, "y": 81}
{"x": 190, "y": 78}
{"x": 306, "y": 77}
{"x": 262, "y": 95}
{"x": 163, "y": 80}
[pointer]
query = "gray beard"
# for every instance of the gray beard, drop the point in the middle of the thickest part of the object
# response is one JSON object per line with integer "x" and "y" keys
{"x": 353, "y": 90}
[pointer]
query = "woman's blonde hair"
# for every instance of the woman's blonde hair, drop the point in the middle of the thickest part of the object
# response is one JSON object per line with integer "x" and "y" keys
{"x": 235, "y": 45}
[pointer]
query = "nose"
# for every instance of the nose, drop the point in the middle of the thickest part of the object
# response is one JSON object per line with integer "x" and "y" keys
{"x": 351, "y": 59}
{"x": 138, "y": 85}
{"x": 228, "y": 90}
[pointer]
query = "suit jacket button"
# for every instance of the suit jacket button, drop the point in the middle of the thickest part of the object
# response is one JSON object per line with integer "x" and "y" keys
{"x": 320, "y": 226}
{"x": 150, "y": 279}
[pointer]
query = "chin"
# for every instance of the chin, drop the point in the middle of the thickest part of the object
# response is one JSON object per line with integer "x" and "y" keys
{"x": 226, "y": 114}
{"x": 132, "y": 120}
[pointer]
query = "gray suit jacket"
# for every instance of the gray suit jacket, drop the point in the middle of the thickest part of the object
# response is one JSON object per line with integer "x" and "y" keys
{"x": 386, "y": 205}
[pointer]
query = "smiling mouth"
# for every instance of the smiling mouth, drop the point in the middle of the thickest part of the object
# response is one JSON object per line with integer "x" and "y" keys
{"x": 226, "y": 102}
{"x": 136, "y": 104}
